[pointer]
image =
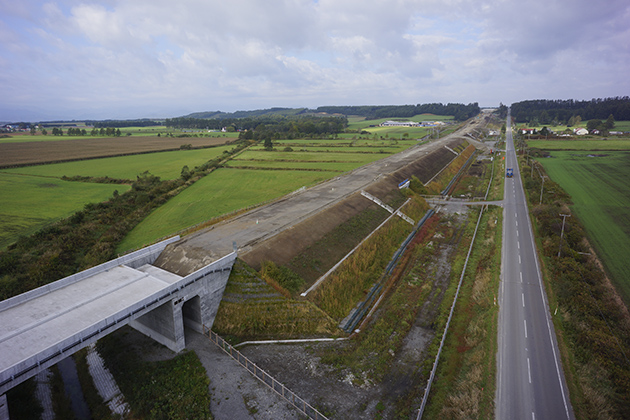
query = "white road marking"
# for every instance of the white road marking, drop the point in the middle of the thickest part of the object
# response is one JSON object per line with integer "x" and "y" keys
{"x": 523, "y": 299}
{"x": 529, "y": 371}
{"x": 518, "y": 244}
{"x": 521, "y": 274}
{"x": 516, "y": 232}
{"x": 519, "y": 259}
{"x": 525, "y": 324}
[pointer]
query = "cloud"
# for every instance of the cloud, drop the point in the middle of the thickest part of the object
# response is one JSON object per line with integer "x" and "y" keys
{"x": 121, "y": 59}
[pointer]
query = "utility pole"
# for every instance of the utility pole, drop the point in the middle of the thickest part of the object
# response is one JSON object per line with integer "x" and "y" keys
{"x": 541, "y": 187}
{"x": 564, "y": 217}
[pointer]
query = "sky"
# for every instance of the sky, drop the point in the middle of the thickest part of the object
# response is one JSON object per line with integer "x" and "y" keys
{"x": 124, "y": 59}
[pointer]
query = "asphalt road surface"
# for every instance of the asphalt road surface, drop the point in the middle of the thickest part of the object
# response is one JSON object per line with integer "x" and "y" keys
{"x": 530, "y": 381}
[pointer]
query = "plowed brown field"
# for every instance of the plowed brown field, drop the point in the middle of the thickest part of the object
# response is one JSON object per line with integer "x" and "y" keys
{"x": 40, "y": 152}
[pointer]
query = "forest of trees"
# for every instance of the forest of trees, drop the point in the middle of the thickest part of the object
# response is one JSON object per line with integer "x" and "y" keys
{"x": 274, "y": 126}
{"x": 123, "y": 123}
{"x": 460, "y": 112}
{"x": 545, "y": 111}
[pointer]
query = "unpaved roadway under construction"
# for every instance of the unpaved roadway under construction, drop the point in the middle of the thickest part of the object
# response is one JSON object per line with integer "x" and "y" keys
{"x": 256, "y": 226}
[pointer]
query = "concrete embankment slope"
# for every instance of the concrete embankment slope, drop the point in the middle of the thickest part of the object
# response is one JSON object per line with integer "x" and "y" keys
{"x": 317, "y": 210}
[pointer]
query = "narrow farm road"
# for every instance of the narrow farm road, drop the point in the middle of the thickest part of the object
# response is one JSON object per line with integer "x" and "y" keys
{"x": 530, "y": 381}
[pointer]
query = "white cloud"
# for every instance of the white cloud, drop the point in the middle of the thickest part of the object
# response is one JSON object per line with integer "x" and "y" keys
{"x": 154, "y": 55}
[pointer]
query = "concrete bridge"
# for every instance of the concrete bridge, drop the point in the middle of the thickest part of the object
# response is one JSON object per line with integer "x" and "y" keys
{"x": 43, "y": 326}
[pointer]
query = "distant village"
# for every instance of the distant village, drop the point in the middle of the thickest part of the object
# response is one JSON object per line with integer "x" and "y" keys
{"x": 411, "y": 124}
{"x": 580, "y": 131}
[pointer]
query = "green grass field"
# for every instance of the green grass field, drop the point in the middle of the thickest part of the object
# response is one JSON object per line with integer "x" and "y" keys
{"x": 600, "y": 192}
{"x": 223, "y": 191}
{"x": 30, "y": 203}
{"x": 587, "y": 145}
{"x": 167, "y": 165}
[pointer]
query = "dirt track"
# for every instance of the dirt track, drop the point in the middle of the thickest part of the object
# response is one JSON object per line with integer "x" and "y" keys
{"x": 257, "y": 226}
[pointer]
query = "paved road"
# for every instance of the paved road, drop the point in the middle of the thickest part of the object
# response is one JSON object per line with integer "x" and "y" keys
{"x": 530, "y": 382}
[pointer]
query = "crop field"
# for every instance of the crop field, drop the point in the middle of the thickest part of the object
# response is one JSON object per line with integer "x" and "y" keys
{"x": 223, "y": 191}
{"x": 600, "y": 192}
{"x": 30, "y": 203}
{"x": 167, "y": 165}
{"x": 323, "y": 161}
{"x": 587, "y": 145}
{"x": 37, "y": 152}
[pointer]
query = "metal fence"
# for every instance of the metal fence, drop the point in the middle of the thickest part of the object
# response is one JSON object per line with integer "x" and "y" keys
{"x": 264, "y": 377}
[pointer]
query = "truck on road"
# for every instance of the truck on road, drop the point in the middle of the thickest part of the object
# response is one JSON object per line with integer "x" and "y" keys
{"x": 509, "y": 172}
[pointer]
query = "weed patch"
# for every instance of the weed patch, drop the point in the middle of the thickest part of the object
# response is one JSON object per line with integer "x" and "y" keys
{"x": 173, "y": 389}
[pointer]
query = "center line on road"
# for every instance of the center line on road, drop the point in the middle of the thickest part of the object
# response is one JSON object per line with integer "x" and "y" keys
{"x": 519, "y": 259}
{"x": 529, "y": 371}
{"x": 518, "y": 244}
{"x": 523, "y": 299}
{"x": 521, "y": 274}
{"x": 516, "y": 232}
{"x": 525, "y": 324}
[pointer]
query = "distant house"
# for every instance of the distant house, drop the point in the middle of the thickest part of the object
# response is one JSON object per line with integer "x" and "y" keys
{"x": 580, "y": 131}
{"x": 528, "y": 131}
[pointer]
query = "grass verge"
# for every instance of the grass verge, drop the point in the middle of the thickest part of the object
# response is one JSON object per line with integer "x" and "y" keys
{"x": 465, "y": 384}
{"x": 252, "y": 309}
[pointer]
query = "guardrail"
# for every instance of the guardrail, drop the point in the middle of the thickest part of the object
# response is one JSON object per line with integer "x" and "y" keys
{"x": 264, "y": 377}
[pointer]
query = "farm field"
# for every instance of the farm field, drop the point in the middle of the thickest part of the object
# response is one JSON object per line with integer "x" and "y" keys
{"x": 223, "y": 191}
{"x": 601, "y": 199}
{"x": 167, "y": 165}
{"x": 30, "y": 203}
{"x": 38, "y": 152}
{"x": 586, "y": 145}
{"x": 326, "y": 161}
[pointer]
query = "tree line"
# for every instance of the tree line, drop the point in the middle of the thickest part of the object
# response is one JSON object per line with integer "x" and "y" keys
{"x": 460, "y": 112}
{"x": 123, "y": 123}
{"x": 556, "y": 112}
{"x": 271, "y": 126}
{"x": 90, "y": 236}
{"x": 109, "y": 132}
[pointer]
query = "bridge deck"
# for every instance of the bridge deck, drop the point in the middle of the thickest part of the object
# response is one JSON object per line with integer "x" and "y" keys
{"x": 40, "y": 323}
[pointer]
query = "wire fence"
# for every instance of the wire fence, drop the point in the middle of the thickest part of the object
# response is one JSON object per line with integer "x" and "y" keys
{"x": 264, "y": 377}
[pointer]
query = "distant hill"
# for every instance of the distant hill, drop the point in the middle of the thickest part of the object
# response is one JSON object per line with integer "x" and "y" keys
{"x": 459, "y": 111}
{"x": 248, "y": 114}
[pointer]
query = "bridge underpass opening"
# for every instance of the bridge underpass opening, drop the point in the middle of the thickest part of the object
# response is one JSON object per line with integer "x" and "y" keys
{"x": 191, "y": 312}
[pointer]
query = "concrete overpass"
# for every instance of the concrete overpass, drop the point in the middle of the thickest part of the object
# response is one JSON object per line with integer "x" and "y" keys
{"x": 43, "y": 326}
